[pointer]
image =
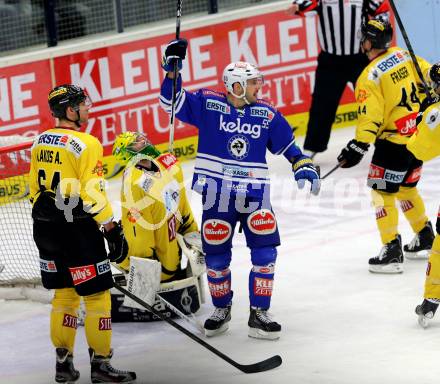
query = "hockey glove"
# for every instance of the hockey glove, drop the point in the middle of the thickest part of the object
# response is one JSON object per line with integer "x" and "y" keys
{"x": 353, "y": 153}
{"x": 175, "y": 51}
{"x": 303, "y": 169}
{"x": 117, "y": 245}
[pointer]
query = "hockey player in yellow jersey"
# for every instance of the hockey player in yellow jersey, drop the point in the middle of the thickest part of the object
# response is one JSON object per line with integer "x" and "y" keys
{"x": 69, "y": 208}
{"x": 155, "y": 210}
{"x": 425, "y": 145}
{"x": 388, "y": 97}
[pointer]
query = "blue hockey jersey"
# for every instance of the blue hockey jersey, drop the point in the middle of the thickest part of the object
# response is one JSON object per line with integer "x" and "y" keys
{"x": 231, "y": 154}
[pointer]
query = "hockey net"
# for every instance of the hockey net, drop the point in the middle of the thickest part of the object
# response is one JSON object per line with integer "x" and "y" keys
{"x": 19, "y": 259}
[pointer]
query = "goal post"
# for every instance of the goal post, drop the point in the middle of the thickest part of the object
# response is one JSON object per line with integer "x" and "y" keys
{"x": 19, "y": 259}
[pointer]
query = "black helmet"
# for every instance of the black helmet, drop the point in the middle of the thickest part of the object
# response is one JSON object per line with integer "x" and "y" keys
{"x": 63, "y": 96}
{"x": 379, "y": 32}
{"x": 434, "y": 75}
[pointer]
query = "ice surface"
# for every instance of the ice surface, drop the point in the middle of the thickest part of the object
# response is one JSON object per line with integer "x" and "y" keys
{"x": 341, "y": 324}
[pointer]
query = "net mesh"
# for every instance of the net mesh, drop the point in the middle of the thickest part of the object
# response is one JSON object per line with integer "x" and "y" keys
{"x": 19, "y": 260}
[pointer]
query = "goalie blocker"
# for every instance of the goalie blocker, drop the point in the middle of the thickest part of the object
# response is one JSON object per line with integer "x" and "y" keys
{"x": 186, "y": 294}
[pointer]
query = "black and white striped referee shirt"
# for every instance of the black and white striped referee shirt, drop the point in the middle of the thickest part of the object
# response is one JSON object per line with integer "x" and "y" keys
{"x": 339, "y": 27}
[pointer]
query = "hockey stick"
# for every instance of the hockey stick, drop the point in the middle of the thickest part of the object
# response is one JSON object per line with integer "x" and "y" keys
{"x": 261, "y": 366}
{"x": 411, "y": 51}
{"x": 175, "y": 72}
{"x": 192, "y": 320}
{"x": 332, "y": 170}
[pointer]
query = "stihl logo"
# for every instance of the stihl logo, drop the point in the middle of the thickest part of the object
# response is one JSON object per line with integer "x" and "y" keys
{"x": 216, "y": 231}
{"x": 167, "y": 160}
{"x": 70, "y": 321}
{"x": 219, "y": 289}
{"x": 262, "y": 222}
{"x": 406, "y": 205}
{"x": 380, "y": 212}
{"x": 263, "y": 287}
{"x": 82, "y": 274}
{"x": 105, "y": 323}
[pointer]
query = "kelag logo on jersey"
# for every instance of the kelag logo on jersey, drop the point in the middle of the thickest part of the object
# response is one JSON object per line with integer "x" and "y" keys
{"x": 238, "y": 147}
{"x": 263, "y": 112}
{"x": 248, "y": 129}
{"x": 215, "y": 105}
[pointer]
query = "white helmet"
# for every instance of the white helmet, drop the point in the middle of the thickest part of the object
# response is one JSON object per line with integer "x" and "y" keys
{"x": 240, "y": 72}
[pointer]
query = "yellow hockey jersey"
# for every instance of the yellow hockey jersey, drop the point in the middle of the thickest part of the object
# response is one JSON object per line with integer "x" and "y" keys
{"x": 72, "y": 161}
{"x": 389, "y": 97}
{"x": 425, "y": 143}
{"x": 154, "y": 209}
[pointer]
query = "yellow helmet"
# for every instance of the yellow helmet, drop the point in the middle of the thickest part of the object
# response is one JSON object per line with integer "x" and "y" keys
{"x": 129, "y": 144}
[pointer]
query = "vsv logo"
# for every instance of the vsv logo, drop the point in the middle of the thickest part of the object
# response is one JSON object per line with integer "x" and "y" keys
{"x": 254, "y": 130}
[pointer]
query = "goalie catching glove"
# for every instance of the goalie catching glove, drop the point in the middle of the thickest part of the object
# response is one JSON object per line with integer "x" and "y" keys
{"x": 117, "y": 245}
{"x": 175, "y": 51}
{"x": 303, "y": 169}
{"x": 353, "y": 153}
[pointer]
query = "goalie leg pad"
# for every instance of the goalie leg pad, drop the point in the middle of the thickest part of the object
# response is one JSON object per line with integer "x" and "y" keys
{"x": 98, "y": 322}
{"x": 261, "y": 276}
{"x": 63, "y": 318}
{"x": 219, "y": 278}
{"x": 182, "y": 294}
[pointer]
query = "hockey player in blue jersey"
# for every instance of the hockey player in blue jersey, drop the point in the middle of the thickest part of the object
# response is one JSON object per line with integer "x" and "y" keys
{"x": 231, "y": 173}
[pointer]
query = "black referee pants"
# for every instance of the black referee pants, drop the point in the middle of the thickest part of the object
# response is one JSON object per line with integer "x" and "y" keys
{"x": 332, "y": 75}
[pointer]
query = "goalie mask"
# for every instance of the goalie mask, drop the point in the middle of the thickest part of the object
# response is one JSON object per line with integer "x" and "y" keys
{"x": 129, "y": 144}
{"x": 240, "y": 72}
{"x": 378, "y": 32}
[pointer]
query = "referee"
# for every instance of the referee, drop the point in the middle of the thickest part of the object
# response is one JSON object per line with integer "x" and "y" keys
{"x": 340, "y": 60}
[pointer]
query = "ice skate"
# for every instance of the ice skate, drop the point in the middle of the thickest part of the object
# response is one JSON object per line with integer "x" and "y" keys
{"x": 390, "y": 258}
{"x": 261, "y": 326}
{"x": 65, "y": 371}
{"x": 103, "y": 372}
{"x": 426, "y": 312}
{"x": 217, "y": 323}
{"x": 419, "y": 247}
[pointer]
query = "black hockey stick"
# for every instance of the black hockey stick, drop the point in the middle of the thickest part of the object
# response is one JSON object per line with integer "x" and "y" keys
{"x": 175, "y": 73}
{"x": 265, "y": 365}
{"x": 426, "y": 89}
{"x": 332, "y": 170}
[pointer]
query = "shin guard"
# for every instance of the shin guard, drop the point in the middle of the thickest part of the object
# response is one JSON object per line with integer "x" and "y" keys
{"x": 261, "y": 276}
{"x": 413, "y": 207}
{"x": 219, "y": 278}
{"x": 63, "y": 318}
{"x": 387, "y": 216}
{"x": 98, "y": 322}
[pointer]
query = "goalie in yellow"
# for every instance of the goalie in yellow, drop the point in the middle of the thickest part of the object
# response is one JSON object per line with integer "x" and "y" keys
{"x": 425, "y": 145}
{"x": 157, "y": 220}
